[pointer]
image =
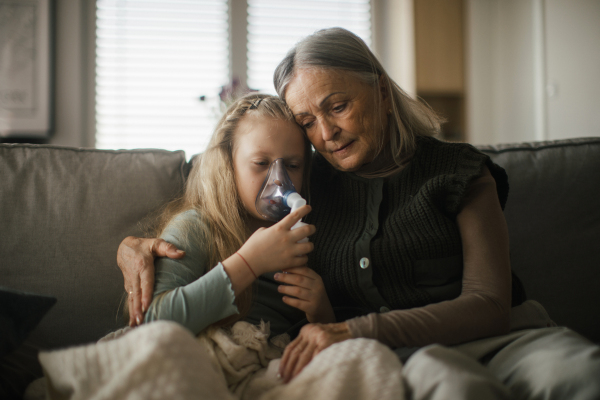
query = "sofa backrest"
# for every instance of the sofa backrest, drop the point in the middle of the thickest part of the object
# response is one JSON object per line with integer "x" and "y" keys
{"x": 63, "y": 213}
{"x": 553, "y": 216}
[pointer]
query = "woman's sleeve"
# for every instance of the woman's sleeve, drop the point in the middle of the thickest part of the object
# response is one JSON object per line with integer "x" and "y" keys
{"x": 186, "y": 291}
{"x": 483, "y": 307}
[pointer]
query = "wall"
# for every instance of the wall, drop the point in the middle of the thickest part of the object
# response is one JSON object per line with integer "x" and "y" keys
{"x": 70, "y": 91}
{"x": 501, "y": 102}
{"x": 573, "y": 68}
{"x": 394, "y": 40}
{"x": 532, "y": 70}
{"x": 531, "y": 67}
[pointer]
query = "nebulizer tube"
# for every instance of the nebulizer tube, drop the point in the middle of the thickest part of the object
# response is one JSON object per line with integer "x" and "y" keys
{"x": 278, "y": 197}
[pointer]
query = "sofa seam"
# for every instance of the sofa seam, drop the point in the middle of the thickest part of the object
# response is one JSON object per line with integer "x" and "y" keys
{"x": 84, "y": 149}
{"x": 490, "y": 149}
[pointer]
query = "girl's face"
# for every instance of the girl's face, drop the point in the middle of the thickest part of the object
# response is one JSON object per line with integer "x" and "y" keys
{"x": 258, "y": 142}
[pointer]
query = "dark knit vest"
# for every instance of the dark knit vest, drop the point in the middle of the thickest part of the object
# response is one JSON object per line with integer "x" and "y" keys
{"x": 415, "y": 245}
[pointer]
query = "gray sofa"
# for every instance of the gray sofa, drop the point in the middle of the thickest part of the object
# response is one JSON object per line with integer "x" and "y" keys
{"x": 64, "y": 211}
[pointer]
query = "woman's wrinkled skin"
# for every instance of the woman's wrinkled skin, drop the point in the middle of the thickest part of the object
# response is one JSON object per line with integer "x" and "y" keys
{"x": 344, "y": 118}
{"x": 139, "y": 282}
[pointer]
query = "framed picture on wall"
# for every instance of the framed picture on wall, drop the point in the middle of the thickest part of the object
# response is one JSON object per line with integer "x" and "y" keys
{"x": 25, "y": 69}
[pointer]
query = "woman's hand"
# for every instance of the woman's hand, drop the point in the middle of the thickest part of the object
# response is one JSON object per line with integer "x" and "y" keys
{"x": 135, "y": 257}
{"x": 313, "y": 339}
{"x": 308, "y": 291}
{"x": 276, "y": 247}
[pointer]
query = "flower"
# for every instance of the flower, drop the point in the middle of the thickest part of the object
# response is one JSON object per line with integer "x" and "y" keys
{"x": 234, "y": 90}
{"x": 228, "y": 94}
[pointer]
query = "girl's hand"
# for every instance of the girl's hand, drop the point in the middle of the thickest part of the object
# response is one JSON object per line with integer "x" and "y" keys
{"x": 313, "y": 339}
{"x": 275, "y": 248}
{"x": 308, "y": 291}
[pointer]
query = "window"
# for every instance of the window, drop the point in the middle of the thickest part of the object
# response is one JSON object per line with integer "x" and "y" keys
{"x": 274, "y": 26}
{"x": 155, "y": 59}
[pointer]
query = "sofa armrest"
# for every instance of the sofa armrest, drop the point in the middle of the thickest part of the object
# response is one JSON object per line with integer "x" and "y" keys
{"x": 63, "y": 213}
{"x": 553, "y": 216}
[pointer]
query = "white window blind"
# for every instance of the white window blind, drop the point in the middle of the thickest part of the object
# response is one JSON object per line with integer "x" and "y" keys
{"x": 274, "y": 26}
{"x": 154, "y": 59}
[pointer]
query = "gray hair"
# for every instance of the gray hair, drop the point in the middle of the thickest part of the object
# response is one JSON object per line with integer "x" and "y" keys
{"x": 340, "y": 49}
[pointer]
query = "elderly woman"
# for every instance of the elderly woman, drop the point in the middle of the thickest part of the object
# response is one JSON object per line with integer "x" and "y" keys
{"x": 411, "y": 242}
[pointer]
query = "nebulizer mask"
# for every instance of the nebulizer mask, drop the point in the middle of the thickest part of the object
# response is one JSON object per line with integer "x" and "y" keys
{"x": 278, "y": 197}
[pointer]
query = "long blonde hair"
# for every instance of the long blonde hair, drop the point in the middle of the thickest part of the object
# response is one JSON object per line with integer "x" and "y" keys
{"x": 211, "y": 187}
{"x": 340, "y": 49}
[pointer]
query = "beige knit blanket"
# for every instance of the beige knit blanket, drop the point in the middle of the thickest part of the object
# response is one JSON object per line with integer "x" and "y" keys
{"x": 162, "y": 360}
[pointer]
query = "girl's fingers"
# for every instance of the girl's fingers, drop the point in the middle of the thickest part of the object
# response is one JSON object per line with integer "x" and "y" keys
{"x": 302, "y": 232}
{"x": 301, "y": 249}
{"x": 291, "y": 219}
{"x": 295, "y": 279}
{"x": 295, "y": 291}
{"x": 301, "y": 305}
{"x": 303, "y": 270}
{"x": 298, "y": 261}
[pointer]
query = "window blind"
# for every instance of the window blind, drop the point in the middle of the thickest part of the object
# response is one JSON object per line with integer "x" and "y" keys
{"x": 154, "y": 59}
{"x": 274, "y": 26}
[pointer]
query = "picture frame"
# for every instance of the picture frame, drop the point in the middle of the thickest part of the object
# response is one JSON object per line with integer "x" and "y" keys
{"x": 25, "y": 69}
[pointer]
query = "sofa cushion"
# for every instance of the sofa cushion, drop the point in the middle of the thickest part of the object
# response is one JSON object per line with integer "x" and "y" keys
{"x": 553, "y": 216}
{"x": 63, "y": 213}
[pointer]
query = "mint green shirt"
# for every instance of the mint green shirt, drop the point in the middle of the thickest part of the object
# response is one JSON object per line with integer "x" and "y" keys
{"x": 196, "y": 297}
{"x": 192, "y": 295}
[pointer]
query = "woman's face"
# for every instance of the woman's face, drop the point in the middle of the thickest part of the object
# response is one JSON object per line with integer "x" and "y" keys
{"x": 258, "y": 142}
{"x": 344, "y": 117}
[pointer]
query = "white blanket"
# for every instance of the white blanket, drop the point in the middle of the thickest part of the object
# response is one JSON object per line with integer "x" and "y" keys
{"x": 162, "y": 360}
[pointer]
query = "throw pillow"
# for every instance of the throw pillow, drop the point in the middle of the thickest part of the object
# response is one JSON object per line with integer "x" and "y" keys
{"x": 20, "y": 312}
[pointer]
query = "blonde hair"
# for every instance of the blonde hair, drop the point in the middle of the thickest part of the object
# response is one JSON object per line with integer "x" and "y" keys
{"x": 211, "y": 187}
{"x": 340, "y": 49}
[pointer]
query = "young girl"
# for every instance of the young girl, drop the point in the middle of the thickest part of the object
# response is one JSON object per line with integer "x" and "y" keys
{"x": 227, "y": 243}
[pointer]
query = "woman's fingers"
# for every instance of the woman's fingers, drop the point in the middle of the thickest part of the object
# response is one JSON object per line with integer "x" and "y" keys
{"x": 288, "y": 365}
{"x": 136, "y": 295}
{"x": 313, "y": 338}
{"x": 298, "y": 358}
{"x": 130, "y": 308}
{"x": 287, "y": 354}
{"x": 303, "y": 359}
{"x": 132, "y": 286}
{"x": 135, "y": 257}
{"x": 147, "y": 288}
{"x": 160, "y": 248}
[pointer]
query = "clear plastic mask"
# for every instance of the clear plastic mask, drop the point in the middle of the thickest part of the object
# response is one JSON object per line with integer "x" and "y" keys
{"x": 271, "y": 199}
